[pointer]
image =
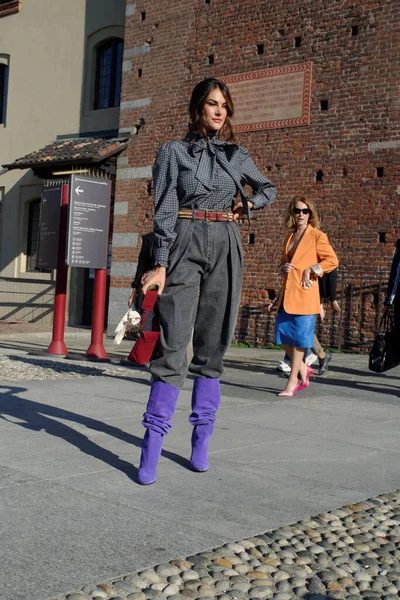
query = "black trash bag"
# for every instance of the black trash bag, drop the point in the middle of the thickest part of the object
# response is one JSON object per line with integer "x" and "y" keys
{"x": 385, "y": 351}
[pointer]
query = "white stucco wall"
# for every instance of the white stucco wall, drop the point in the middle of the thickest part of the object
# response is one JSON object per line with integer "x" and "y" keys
{"x": 50, "y": 48}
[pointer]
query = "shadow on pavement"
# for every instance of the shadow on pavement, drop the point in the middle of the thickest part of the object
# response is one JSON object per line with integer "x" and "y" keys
{"x": 392, "y": 391}
{"x": 382, "y": 378}
{"x": 241, "y": 365}
{"x": 356, "y": 385}
{"x": 40, "y": 417}
{"x": 365, "y": 373}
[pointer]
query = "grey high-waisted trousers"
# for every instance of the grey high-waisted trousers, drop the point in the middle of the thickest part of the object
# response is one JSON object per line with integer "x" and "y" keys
{"x": 202, "y": 296}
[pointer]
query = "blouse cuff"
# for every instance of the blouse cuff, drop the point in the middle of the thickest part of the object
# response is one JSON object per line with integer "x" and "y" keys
{"x": 317, "y": 270}
{"x": 161, "y": 257}
{"x": 258, "y": 201}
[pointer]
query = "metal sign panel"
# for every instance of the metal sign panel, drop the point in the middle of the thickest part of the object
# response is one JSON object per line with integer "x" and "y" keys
{"x": 49, "y": 228}
{"x": 88, "y": 222}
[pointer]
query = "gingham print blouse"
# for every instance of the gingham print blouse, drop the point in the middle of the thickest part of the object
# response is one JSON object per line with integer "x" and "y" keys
{"x": 201, "y": 173}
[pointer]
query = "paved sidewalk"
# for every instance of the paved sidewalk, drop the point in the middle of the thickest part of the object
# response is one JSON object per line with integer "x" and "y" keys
{"x": 69, "y": 446}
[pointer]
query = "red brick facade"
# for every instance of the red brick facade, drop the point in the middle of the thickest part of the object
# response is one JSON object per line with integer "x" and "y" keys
{"x": 354, "y": 50}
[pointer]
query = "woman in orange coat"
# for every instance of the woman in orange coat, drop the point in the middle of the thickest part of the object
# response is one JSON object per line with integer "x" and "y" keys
{"x": 307, "y": 255}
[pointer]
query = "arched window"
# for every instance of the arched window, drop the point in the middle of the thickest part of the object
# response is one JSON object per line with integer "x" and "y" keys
{"x": 3, "y": 92}
{"x": 108, "y": 74}
{"x": 33, "y": 235}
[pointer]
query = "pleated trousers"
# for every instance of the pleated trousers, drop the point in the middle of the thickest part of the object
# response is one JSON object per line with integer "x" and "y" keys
{"x": 200, "y": 301}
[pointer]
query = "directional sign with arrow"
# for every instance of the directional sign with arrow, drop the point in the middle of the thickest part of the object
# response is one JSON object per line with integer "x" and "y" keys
{"x": 88, "y": 222}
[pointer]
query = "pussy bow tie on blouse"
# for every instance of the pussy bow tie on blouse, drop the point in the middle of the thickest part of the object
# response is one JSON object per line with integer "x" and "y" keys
{"x": 213, "y": 151}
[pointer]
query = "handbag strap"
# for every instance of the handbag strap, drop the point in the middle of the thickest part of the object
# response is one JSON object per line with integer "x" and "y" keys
{"x": 387, "y": 322}
{"x": 148, "y": 303}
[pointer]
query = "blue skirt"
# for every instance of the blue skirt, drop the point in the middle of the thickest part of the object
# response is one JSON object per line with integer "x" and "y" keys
{"x": 294, "y": 330}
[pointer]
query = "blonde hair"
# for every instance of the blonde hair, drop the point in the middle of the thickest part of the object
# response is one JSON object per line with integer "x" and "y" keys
{"x": 290, "y": 220}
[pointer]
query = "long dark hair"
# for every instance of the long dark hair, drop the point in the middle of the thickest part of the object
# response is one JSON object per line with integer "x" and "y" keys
{"x": 198, "y": 98}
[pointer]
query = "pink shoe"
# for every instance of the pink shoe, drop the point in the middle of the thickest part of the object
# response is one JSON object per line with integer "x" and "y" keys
{"x": 303, "y": 385}
{"x": 292, "y": 393}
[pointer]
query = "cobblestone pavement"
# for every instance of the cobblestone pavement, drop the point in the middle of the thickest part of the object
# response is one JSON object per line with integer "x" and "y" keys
{"x": 351, "y": 553}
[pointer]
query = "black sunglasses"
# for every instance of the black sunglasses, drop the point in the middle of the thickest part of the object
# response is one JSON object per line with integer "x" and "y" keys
{"x": 305, "y": 211}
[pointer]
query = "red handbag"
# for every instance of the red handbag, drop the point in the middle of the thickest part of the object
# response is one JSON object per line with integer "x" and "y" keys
{"x": 144, "y": 347}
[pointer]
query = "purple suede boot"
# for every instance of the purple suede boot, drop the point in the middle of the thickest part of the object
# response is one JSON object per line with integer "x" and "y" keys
{"x": 205, "y": 403}
{"x": 157, "y": 420}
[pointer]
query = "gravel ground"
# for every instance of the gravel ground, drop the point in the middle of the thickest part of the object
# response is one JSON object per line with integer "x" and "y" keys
{"x": 16, "y": 367}
{"x": 351, "y": 553}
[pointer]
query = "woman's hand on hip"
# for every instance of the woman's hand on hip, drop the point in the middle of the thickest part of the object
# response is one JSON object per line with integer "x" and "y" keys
{"x": 157, "y": 278}
{"x": 306, "y": 280}
{"x": 239, "y": 211}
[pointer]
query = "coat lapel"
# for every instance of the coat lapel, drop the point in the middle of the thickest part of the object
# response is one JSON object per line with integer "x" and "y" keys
{"x": 302, "y": 246}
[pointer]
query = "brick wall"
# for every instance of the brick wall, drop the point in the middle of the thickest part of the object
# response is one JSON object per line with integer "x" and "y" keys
{"x": 356, "y": 60}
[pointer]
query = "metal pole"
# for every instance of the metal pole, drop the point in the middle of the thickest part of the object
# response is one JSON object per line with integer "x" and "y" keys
{"x": 360, "y": 309}
{"x": 379, "y": 302}
{"x": 350, "y": 333}
{"x": 57, "y": 345}
{"x": 96, "y": 348}
{"x": 341, "y": 313}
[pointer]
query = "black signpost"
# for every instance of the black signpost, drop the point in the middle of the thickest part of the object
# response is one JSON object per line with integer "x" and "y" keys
{"x": 89, "y": 213}
{"x": 49, "y": 230}
{"x": 88, "y": 224}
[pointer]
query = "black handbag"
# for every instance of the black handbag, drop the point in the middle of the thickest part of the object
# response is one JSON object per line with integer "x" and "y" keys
{"x": 385, "y": 351}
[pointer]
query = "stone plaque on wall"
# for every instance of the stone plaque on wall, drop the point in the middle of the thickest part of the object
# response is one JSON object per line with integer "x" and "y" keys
{"x": 271, "y": 98}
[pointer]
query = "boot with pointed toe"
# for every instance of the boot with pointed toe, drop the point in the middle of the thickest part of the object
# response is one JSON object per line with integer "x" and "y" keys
{"x": 151, "y": 452}
{"x": 205, "y": 402}
{"x": 157, "y": 420}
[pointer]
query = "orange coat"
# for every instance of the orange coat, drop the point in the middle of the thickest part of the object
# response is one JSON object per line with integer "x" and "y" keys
{"x": 314, "y": 247}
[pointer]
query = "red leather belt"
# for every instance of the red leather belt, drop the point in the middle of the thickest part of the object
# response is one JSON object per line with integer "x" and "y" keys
{"x": 205, "y": 215}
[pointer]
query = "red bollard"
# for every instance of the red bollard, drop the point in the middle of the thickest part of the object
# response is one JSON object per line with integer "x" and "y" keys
{"x": 57, "y": 345}
{"x": 96, "y": 348}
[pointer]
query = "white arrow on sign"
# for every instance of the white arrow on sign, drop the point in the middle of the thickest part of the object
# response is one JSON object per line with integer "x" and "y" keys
{"x": 78, "y": 190}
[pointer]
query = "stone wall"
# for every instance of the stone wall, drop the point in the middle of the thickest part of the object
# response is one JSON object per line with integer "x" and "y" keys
{"x": 346, "y": 159}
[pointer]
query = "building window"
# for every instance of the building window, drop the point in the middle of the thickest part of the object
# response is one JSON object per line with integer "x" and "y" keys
{"x": 3, "y": 92}
{"x": 108, "y": 74}
{"x": 33, "y": 235}
{"x": 9, "y": 7}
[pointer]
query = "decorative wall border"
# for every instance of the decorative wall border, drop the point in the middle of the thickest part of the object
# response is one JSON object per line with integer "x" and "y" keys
{"x": 10, "y": 8}
{"x": 304, "y": 119}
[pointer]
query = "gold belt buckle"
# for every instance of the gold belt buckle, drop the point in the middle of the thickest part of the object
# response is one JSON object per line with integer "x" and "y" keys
{"x": 206, "y": 215}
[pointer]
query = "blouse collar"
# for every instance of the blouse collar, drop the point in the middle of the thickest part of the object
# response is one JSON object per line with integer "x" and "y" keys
{"x": 199, "y": 141}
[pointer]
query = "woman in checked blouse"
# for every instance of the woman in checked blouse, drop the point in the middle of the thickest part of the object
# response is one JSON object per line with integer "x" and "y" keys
{"x": 198, "y": 267}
